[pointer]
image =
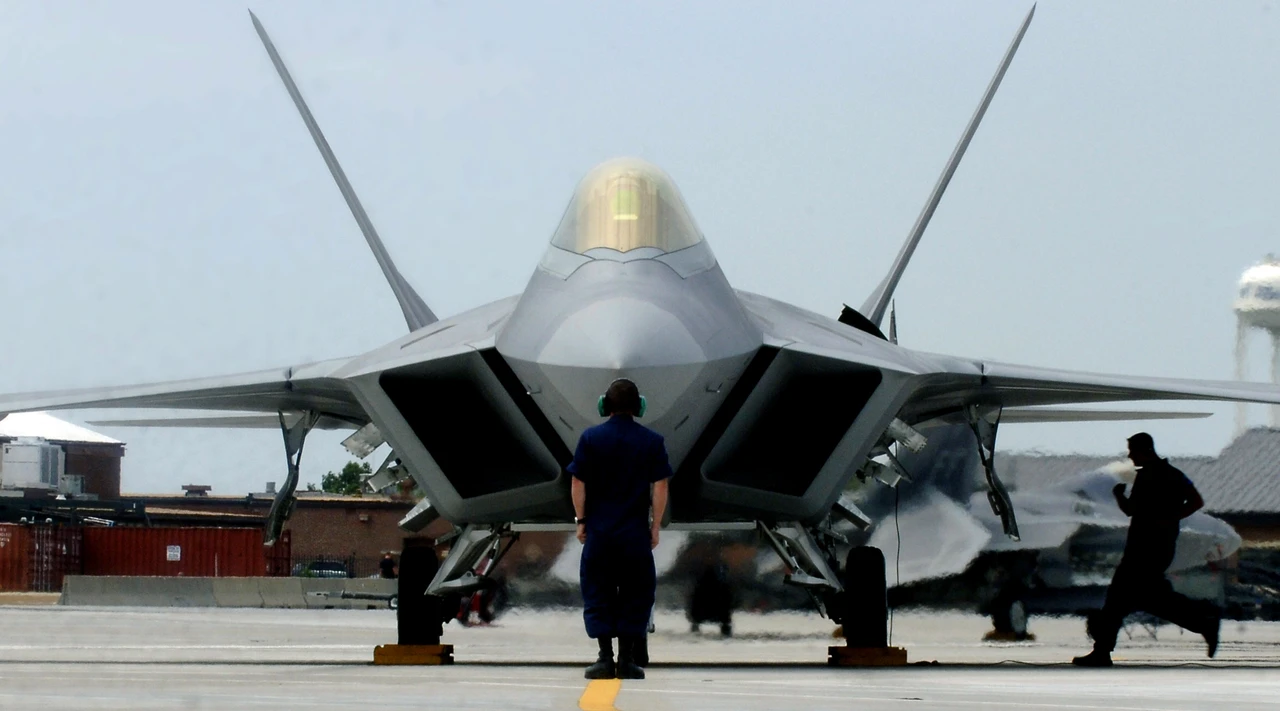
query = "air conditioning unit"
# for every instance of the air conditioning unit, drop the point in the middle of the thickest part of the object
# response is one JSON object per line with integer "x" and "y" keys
{"x": 71, "y": 484}
{"x": 32, "y": 464}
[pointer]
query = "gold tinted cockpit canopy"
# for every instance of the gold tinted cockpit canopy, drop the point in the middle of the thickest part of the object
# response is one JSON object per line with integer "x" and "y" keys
{"x": 626, "y": 204}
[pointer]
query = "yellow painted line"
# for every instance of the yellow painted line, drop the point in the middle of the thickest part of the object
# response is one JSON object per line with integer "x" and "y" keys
{"x": 600, "y": 694}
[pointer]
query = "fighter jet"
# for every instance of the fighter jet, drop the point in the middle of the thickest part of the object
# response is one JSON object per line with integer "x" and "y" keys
{"x": 768, "y": 410}
{"x": 1072, "y": 537}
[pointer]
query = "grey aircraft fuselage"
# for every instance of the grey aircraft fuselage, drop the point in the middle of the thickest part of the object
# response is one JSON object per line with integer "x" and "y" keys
{"x": 1072, "y": 531}
{"x": 1074, "y": 536}
{"x": 768, "y": 410}
{"x": 670, "y": 321}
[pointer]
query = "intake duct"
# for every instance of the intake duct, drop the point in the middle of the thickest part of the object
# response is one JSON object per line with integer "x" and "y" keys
{"x": 790, "y": 423}
{"x": 491, "y": 437}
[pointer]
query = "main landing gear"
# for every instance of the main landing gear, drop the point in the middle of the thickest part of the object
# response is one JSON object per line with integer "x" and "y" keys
{"x": 431, "y": 590}
{"x": 295, "y": 429}
{"x": 1009, "y": 622}
{"x": 856, "y": 598}
{"x": 419, "y": 616}
{"x": 865, "y": 601}
{"x": 1011, "y": 577}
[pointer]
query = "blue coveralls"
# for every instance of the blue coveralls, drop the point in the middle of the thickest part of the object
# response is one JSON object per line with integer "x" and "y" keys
{"x": 617, "y": 460}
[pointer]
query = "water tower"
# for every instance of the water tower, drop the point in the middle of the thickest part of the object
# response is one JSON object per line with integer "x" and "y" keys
{"x": 1258, "y": 306}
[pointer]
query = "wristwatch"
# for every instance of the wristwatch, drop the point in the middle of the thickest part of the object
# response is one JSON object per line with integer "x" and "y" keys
{"x": 580, "y": 521}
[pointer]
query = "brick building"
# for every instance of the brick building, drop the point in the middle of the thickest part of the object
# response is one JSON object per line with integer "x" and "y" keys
{"x": 357, "y": 530}
{"x": 91, "y": 461}
{"x": 354, "y": 529}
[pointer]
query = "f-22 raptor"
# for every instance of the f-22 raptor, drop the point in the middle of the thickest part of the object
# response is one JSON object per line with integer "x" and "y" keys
{"x": 769, "y": 411}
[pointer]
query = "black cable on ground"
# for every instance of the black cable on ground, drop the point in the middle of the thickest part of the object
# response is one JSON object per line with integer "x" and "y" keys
{"x": 897, "y": 560}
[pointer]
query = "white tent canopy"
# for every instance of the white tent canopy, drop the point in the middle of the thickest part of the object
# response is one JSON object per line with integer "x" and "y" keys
{"x": 44, "y": 426}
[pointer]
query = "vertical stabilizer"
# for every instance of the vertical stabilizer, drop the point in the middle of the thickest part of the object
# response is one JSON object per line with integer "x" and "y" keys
{"x": 878, "y": 302}
{"x": 416, "y": 312}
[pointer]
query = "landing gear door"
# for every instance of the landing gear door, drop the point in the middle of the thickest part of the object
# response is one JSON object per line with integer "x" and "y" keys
{"x": 985, "y": 421}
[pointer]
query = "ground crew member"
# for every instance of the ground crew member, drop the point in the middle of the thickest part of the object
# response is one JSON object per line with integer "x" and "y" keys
{"x": 387, "y": 567}
{"x": 613, "y": 468}
{"x": 1160, "y": 498}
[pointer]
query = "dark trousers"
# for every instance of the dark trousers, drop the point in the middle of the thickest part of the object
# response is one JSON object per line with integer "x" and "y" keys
{"x": 618, "y": 585}
{"x": 1137, "y": 590}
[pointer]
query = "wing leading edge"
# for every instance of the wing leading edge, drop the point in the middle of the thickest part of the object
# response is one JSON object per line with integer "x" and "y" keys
{"x": 942, "y": 385}
{"x": 1020, "y": 386}
{"x": 1042, "y": 415}
{"x": 304, "y": 388}
{"x": 235, "y": 422}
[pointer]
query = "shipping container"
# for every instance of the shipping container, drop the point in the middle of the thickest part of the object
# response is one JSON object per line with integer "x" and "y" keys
{"x": 36, "y": 558}
{"x": 15, "y": 558}
{"x": 55, "y": 554}
{"x": 187, "y": 552}
{"x": 280, "y": 555}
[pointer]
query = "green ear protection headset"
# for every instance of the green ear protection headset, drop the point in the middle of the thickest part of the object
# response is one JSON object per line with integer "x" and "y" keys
{"x": 602, "y": 404}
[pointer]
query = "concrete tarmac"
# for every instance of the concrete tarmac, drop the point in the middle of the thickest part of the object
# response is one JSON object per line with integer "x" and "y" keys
{"x": 132, "y": 658}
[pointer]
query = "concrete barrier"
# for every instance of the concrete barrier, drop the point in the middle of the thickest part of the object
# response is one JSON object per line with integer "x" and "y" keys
{"x": 372, "y": 586}
{"x": 324, "y": 593}
{"x": 237, "y": 592}
{"x": 130, "y": 591}
{"x": 137, "y": 591}
{"x": 85, "y": 590}
{"x": 177, "y": 592}
{"x": 328, "y": 593}
{"x": 281, "y": 592}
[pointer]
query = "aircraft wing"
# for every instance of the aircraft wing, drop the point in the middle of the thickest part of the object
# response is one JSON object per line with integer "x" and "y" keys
{"x": 1042, "y": 415}
{"x": 236, "y": 422}
{"x": 1018, "y": 386}
{"x": 308, "y": 387}
{"x": 944, "y": 385}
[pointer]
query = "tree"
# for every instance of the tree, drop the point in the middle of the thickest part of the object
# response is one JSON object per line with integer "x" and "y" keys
{"x": 346, "y": 482}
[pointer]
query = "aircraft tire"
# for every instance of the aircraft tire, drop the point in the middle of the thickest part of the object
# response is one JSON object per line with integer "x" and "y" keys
{"x": 865, "y": 598}
{"x": 1018, "y": 618}
{"x": 417, "y": 613}
{"x": 1010, "y": 618}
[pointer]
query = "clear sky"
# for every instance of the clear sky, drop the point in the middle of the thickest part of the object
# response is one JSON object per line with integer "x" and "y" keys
{"x": 165, "y": 214}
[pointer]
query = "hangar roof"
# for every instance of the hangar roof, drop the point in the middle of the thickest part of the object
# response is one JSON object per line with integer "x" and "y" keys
{"x": 1243, "y": 479}
{"x": 47, "y": 427}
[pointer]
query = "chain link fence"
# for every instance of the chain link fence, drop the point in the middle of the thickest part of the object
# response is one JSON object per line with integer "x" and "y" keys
{"x": 336, "y": 566}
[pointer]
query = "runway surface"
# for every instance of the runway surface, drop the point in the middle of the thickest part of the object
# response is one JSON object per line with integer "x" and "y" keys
{"x": 85, "y": 658}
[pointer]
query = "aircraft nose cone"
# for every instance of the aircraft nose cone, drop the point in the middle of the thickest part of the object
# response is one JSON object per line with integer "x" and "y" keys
{"x": 622, "y": 337}
{"x": 619, "y": 334}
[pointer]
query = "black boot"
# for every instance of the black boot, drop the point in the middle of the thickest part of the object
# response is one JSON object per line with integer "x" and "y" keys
{"x": 1211, "y": 633}
{"x": 1096, "y": 658}
{"x": 604, "y": 667}
{"x": 627, "y": 667}
{"x": 640, "y": 651}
